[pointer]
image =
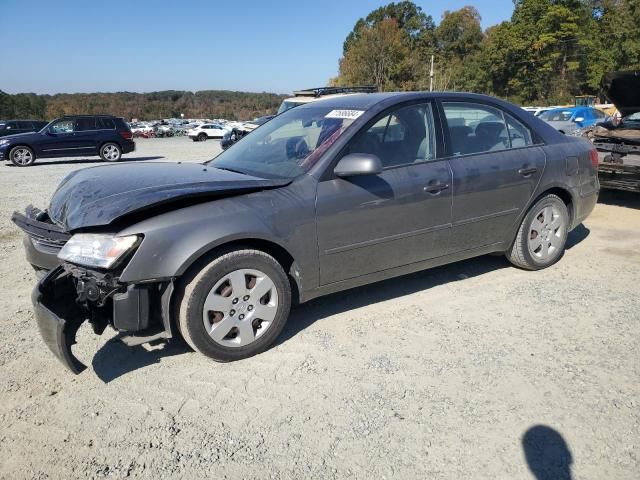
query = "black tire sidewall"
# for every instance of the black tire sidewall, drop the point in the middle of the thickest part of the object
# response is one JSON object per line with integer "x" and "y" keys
{"x": 532, "y": 261}
{"x": 202, "y": 137}
{"x": 196, "y": 330}
{"x": 33, "y": 156}
{"x": 115, "y": 145}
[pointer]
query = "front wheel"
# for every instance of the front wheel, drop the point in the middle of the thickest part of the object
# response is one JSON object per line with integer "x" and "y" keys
{"x": 542, "y": 236}
{"x": 22, "y": 156}
{"x": 110, "y": 152}
{"x": 236, "y": 306}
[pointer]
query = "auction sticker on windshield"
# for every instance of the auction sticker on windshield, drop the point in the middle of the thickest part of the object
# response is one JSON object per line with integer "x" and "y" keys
{"x": 349, "y": 114}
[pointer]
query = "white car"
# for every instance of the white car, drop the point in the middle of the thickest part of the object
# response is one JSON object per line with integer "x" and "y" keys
{"x": 206, "y": 131}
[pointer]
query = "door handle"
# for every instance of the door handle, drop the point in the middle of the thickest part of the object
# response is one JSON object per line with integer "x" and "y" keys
{"x": 436, "y": 187}
{"x": 527, "y": 171}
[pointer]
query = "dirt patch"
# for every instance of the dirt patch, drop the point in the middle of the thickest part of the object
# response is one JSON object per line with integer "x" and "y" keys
{"x": 440, "y": 374}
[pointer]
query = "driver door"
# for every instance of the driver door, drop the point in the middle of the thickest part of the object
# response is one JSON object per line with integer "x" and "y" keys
{"x": 372, "y": 223}
{"x": 59, "y": 139}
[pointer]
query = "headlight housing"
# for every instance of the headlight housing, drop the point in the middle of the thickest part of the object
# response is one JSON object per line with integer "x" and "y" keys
{"x": 97, "y": 249}
{"x": 4, "y": 142}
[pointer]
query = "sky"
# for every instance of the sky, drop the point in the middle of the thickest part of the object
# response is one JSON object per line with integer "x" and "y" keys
{"x": 142, "y": 46}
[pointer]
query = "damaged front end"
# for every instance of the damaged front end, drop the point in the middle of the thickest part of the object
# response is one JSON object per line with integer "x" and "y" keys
{"x": 619, "y": 151}
{"x": 70, "y": 295}
{"x": 618, "y": 143}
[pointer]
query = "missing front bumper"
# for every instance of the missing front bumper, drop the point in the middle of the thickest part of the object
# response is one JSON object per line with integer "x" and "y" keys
{"x": 59, "y": 316}
{"x": 61, "y": 306}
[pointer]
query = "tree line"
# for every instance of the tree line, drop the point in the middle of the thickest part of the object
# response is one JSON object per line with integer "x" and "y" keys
{"x": 144, "y": 106}
{"x": 548, "y": 52}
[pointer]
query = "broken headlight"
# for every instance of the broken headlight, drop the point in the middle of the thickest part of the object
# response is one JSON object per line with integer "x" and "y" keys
{"x": 97, "y": 250}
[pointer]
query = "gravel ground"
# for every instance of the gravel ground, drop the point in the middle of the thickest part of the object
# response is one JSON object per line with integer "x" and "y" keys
{"x": 439, "y": 374}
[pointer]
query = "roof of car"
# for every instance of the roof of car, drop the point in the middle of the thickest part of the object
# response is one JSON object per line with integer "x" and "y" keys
{"x": 368, "y": 100}
{"x": 89, "y": 116}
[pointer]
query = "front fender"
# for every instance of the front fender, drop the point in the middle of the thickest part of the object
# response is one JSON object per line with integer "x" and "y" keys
{"x": 174, "y": 240}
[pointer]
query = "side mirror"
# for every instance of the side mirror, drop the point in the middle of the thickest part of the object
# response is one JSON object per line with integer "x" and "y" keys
{"x": 579, "y": 119}
{"x": 358, "y": 164}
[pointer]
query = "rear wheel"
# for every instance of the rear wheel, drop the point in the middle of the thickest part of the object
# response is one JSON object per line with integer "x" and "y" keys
{"x": 110, "y": 152}
{"x": 236, "y": 306}
{"x": 542, "y": 236}
{"x": 22, "y": 156}
{"x": 202, "y": 137}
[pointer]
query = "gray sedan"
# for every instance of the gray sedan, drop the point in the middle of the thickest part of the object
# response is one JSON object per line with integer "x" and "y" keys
{"x": 325, "y": 197}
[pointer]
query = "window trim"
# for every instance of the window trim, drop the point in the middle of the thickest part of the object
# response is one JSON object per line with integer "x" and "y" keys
{"x": 535, "y": 137}
{"x": 438, "y": 141}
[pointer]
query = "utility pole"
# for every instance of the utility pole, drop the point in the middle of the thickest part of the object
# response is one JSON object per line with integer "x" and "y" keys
{"x": 431, "y": 76}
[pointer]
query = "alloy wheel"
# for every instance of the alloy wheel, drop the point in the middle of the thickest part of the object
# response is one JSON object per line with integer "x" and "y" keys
{"x": 111, "y": 152}
{"x": 22, "y": 156}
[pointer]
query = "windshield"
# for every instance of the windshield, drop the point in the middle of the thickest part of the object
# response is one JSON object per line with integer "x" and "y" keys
{"x": 288, "y": 105}
{"x": 634, "y": 117}
{"x": 288, "y": 145}
{"x": 557, "y": 115}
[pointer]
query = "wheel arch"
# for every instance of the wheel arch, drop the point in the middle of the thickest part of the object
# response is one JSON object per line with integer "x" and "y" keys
{"x": 277, "y": 251}
{"x": 17, "y": 145}
{"x": 104, "y": 142}
{"x": 565, "y": 195}
{"x": 171, "y": 304}
{"x": 559, "y": 190}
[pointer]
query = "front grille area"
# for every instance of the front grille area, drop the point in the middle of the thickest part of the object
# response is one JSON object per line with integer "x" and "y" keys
{"x": 40, "y": 229}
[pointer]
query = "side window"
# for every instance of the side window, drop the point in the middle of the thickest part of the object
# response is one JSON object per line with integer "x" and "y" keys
{"x": 84, "y": 124}
{"x": 62, "y": 126}
{"x": 475, "y": 128}
{"x": 25, "y": 125}
{"x": 106, "y": 124}
{"x": 402, "y": 137}
{"x": 12, "y": 125}
{"x": 519, "y": 135}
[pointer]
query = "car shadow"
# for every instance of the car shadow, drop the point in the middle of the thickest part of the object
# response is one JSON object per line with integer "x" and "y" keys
{"x": 115, "y": 359}
{"x": 547, "y": 453}
{"x": 619, "y": 198}
{"x": 577, "y": 235}
{"x": 39, "y": 163}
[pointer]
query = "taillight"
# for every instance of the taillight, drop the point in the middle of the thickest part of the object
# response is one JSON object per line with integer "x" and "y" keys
{"x": 594, "y": 158}
{"x": 127, "y": 135}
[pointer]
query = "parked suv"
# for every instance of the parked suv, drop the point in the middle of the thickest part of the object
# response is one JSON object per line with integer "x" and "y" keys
{"x": 208, "y": 130}
{"x": 71, "y": 136}
{"x": 11, "y": 127}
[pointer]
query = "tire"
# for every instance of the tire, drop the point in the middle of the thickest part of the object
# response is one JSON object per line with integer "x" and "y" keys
{"x": 202, "y": 137}
{"x": 234, "y": 332}
{"x": 542, "y": 236}
{"x": 110, "y": 152}
{"x": 22, "y": 156}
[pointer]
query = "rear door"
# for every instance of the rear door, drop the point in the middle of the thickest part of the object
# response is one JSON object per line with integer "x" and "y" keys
{"x": 373, "y": 223}
{"x": 496, "y": 164}
{"x": 87, "y": 136}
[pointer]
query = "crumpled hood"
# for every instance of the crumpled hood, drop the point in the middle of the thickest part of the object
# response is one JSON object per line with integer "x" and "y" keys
{"x": 623, "y": 90}
{"x": 98, "y": 196}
